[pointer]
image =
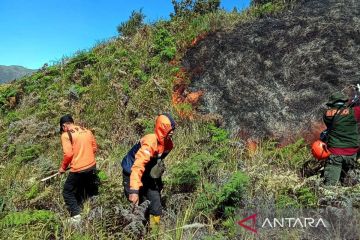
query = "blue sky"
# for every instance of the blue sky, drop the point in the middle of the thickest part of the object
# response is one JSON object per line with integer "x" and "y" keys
{"x": 34, "y": 32}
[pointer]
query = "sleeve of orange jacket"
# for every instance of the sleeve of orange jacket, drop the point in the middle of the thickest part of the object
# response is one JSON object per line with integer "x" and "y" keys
{"x": 142, "y": 157}
{"x": 67, "y": 150}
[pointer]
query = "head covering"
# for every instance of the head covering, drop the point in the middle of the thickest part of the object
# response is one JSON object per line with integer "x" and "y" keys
{"x": 337, "y": 97}
{"x": 163, "y": 125}
{"x": 65, "y": 119}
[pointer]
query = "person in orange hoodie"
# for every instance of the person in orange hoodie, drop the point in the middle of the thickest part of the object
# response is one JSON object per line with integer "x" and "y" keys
{"x": 144, "y": 164}
{"x": 79, "y": 147}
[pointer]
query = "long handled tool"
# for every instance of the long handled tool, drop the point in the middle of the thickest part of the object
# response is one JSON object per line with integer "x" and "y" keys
{"x": 49, "y": 177}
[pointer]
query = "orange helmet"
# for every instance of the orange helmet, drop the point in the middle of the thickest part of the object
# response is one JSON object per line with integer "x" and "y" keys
{"x": 319, "y": 150}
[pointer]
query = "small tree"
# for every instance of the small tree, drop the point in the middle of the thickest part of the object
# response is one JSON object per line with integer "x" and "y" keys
{"x": 129, "y": 28}
{"x": 189, "y": 7}
{"x": 206, "y": 6}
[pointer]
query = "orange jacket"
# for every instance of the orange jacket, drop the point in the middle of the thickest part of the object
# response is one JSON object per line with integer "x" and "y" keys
{"x": 154, "y": 145}
{"x": 80, "y": 152}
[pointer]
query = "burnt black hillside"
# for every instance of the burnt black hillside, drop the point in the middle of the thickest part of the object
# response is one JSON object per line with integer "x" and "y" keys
{"x": 272, "y": 77}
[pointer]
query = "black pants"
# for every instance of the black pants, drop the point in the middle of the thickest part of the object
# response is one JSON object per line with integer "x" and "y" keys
{"x": 149, "y": 191}
{"x": 78, "y": 187}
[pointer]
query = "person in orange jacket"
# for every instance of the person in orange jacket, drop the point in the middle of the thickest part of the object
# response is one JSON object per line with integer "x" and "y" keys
{"x": 144, "y": 164}
{"x": 79, "y": 148}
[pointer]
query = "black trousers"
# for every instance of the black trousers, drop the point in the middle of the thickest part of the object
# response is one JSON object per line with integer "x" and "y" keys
{"x": 78, "y": 187}
{"x": 149, "y": 191}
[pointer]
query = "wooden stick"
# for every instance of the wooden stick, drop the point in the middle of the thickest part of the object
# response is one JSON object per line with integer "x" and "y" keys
{"x": 47, "y": 178}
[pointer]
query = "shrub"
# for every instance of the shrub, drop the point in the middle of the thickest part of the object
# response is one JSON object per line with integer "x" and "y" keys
{"x": 78, "y": 90}
{"x": 5, "y": 94}
{"x": 218, "y": 134}
{"x": 208, "y": 200}
{"x": 53, "y": 71}
{"x": 87, "y": 77}
{"x": 28, "y": 153}
{"x": 306, "y": 197}
{"x": 139, "y": 74}
{"x": 79, "y": 61}
{"x": 286, "y": 201}
{"x": 12, "y": 116}
{"x": 232, "y": 192}
{"x": 206, "y": 6}
{"x": 130, "y": 27}
{"x": 164, "y": 44}
{"x": 223, "y": 201}
{"x": 185, "y": 8}
{"x": 33, "y": 192}
{"x": 302, "y": 197}
{"x": 186, "y": 175}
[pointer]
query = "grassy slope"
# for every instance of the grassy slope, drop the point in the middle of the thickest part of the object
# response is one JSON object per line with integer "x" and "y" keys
{"x": 116, "y": 89}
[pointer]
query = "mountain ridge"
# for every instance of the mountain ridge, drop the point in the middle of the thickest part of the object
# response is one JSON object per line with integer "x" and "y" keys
{"x": 12, "y": 72}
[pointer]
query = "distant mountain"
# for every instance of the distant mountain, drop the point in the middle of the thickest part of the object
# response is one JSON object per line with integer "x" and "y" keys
{"x": 8, "y": 73}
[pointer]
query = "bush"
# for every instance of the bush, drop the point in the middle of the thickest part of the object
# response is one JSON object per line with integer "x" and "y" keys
{"x": 139, "y": 74}
{"x": 78, "y": 90}
{"x": 82, "y": 59}
{"x": 284, "y": 201}
{"x": 306, "y": 197}
{"x": 33, "y": 192}
{"x": 7, "y": 96}
{"x": 78, "y": 62}
{"x": 130, "y": 27}
{"x": 186, "y": 175}
{"x": 223, "y": 201}
{"x": 232, "y": 192}
{"x": 218, "y": 134}
{"x": 164, "y": 44}
{"x": 302, "y": 197}
{"x": 208, "y": 200}
{"x": 53, "y": 71}
{"x": 28, "y": 153}
{"x": 185, "y": 8}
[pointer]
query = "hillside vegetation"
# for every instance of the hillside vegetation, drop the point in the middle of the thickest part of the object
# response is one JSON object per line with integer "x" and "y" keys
{"x": 116, "y": 89}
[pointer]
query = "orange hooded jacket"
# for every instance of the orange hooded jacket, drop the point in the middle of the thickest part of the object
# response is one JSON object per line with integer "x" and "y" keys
{"x": 79, "y": 151}
{"x": 151, "y": 146}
